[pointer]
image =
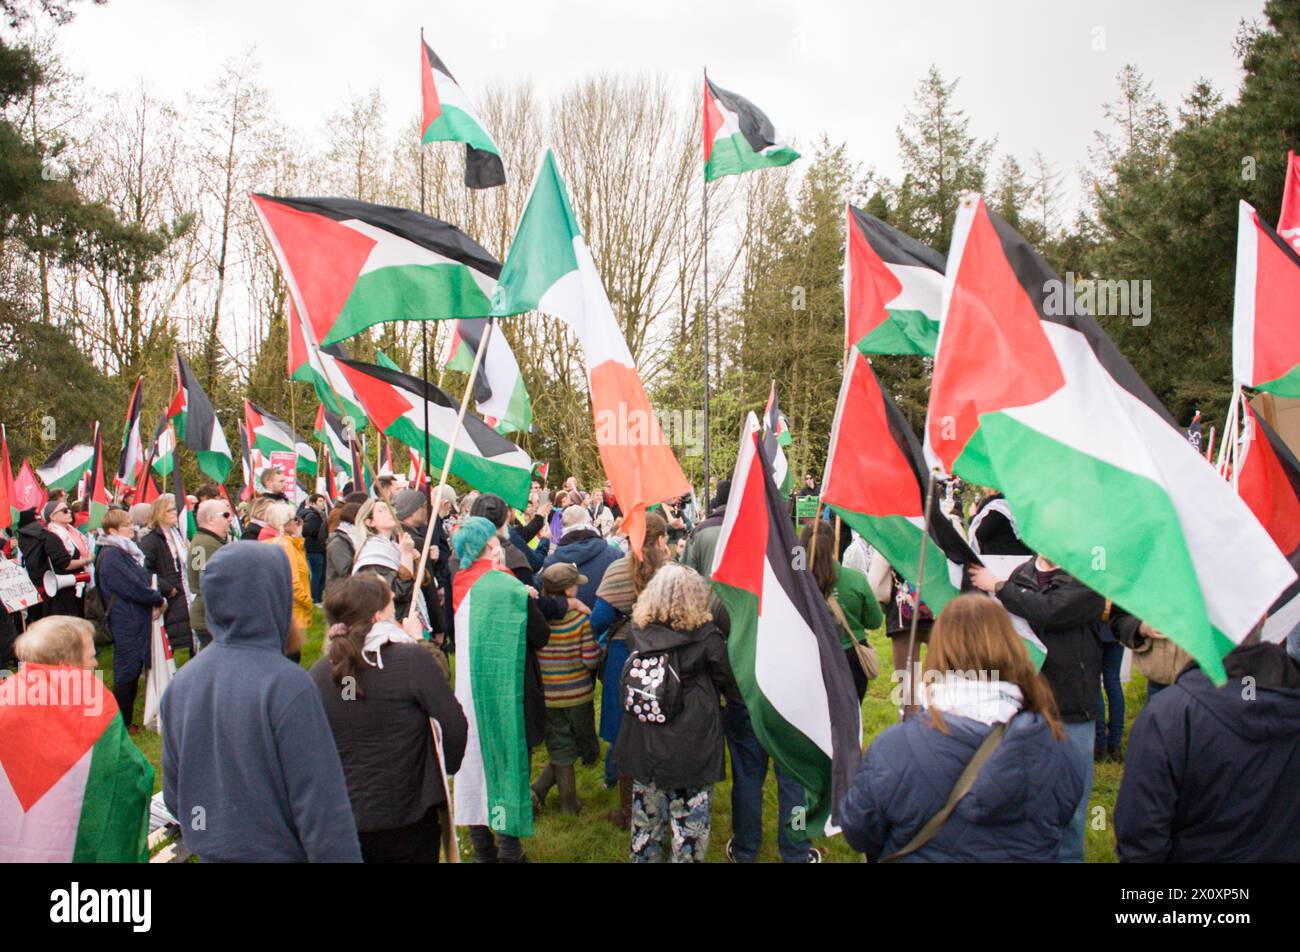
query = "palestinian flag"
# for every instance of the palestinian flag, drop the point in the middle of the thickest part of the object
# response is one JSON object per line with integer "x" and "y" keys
{"x": 415, "y": 475}
{"x": 131, "y": 461}
{"x": 499, "y": 392}
{"x": 542, "y": 469}
{"x": 161, "y": 671}
{"x": 27, "y": 490}
{"x": 550, "y": 269}
{"x": 306, "y": 459}
{"x": 361, "y": 481}
{"x": 331, "y": 481}
{"x": 163, "y": 449}
{"x": 876, "y": 482}
{"x": 784, "y": 645}
{"x": 484, "y": 458}
{"x": 776, "y": 435}
{"x": 893, "y": 289}
{"x": 331, "y": 431}
{"x": 1268, "y": 479}
{"x": 386, "y": 458}
{"x": 351, "y": 265}
{"x": 447, "y": 116}
{"x": 270, "y": 434}
{"x": 96, "y": 491}
{"x": 491, "y": 787}
{"x": 74, "y": 788}
{"x": 9, "y": 502}
{"x": 197, "y": 425}
{"x": 1288, "y": 221}
{"x": 67, "y": 464}
{"x": 737, "y": 136}
{"x": 246, "y": 462}
{"x": 318, "y": 366}
{"x": 1045, "y": 408}
{"x": 1266, "y": 309}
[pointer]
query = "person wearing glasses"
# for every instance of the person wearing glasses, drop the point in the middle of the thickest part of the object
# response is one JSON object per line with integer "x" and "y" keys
{"x": 68, "y": 552}
{"x": 165, "y": 547}
{"x": 131, "y": 603}
{"x": 214, "y": 518}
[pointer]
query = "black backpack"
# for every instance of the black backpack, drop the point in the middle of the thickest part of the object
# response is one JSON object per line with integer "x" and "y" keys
{"x": 651, "y": 686}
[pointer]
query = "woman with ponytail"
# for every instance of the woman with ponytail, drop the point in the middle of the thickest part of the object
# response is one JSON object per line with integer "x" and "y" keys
{"x": 380, "y": 688}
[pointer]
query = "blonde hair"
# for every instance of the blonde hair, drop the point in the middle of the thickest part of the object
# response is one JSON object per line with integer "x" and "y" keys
{"x": 159, "y": 507}
{"x": 54, "y": 639}
{"x": 115, "y": 519}
{"x": 676, "y": 596}
{"x": 257, "y": 509}
{"x": 277, "y": 514}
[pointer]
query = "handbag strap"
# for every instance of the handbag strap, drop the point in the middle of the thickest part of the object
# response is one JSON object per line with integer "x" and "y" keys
{"x": 962, "y": 787}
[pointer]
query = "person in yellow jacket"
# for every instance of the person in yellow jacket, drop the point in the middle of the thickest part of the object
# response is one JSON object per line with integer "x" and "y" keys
{"x": 285, "y": 530}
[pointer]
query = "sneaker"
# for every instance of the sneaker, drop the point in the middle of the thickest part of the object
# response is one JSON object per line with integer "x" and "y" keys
{"x": 816, "y": 855}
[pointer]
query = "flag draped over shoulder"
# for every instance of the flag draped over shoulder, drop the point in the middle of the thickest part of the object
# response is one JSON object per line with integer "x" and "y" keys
{"x": 350, "y": 264}
{"x": 738, "y": 137}
{"x": 550, "y": 269}
{"x": 784, "y": 646}
{"x": 66, "y": 465}
{"x": 499, "y": 393}
{"x": 1266, "y": 309}
{"x": 131, "y": 461}
{"x": 397, "y": 403}
{"x": 1101, "y": 480}
{"x": 491, "y": 787}
{"x": 893, "y": 289}
{"x": 448, "y": 116}
{"x": 876, "y": 480}
{"x": 73, "y": 786}
{"x": 1268, "y": 479}
{"x": 197, "y": 425}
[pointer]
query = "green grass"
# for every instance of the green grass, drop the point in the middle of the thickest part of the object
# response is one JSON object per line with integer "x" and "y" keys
{"x": 590, "y": 838}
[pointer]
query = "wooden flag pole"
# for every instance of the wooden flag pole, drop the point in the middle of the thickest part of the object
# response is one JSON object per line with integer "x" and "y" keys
{"x": 708, "y": 454}
{"x": 451, "y": 453}
{"x": 909, "y": 691}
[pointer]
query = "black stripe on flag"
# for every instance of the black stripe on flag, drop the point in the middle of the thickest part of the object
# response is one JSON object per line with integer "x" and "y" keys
{"x": 893, "y": 246}
{"x": 423, "y": 230}
{"x": 200, "y": 417}
{"x": 801, "y": 589}
{"x": 754, "y": 124}
{"x": 483, "y": 169}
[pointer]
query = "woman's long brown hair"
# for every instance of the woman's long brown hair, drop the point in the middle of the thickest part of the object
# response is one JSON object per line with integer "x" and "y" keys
{"x": 822, "y": 564}
{"x": 644, "y": 568}
{"x": 973, "y": 633}
{"x": 354, "y": 602}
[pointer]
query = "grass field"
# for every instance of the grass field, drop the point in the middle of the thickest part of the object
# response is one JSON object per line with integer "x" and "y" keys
{"x": 589, "y": 838}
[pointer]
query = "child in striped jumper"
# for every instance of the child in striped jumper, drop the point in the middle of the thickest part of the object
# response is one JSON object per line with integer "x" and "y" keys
{"x": 568, "y": 664}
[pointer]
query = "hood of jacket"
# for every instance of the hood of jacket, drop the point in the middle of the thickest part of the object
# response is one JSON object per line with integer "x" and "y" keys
{"x": 661, "y": 637}
{"x": 579, "y": 546}
{"x": 1257, "y": 710}
{"x": 248, "y": 595}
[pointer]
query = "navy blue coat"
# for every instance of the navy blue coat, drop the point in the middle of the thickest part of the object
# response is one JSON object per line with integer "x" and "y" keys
{"x": 1211, "y": 773}
{"x": 1016, "y": 812}
{"x": 124, "y": 585}
{"x": 593, "y": 555}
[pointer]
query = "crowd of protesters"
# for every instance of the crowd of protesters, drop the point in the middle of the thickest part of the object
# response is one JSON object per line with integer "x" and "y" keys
{"x": 340, "y": 762}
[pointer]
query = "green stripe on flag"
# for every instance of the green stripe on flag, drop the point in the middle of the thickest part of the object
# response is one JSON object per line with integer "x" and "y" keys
{"x": 733, "y": 155}
{"x": 456, "y": 125}
{"x": 114, "y": 820}
{"x": 899, "y": 540}
{"x": 409, "y": 292}
{"x": 511, "y": 483}
{"x": 906, "y": 332}
{"x": 1287, "y": 385}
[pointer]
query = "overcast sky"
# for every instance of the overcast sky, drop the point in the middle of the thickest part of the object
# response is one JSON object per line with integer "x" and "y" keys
{"x": 1033, "y": 74}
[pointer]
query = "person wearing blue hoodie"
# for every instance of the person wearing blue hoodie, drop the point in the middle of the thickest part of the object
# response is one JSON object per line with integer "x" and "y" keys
{"x": 250, "y": 768}
{"x": 1023, "y": 795}
{"x": 583, "y": 546}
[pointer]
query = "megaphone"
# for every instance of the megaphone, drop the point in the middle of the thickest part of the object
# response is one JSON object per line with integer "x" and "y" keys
{"x": 53, "y": 584}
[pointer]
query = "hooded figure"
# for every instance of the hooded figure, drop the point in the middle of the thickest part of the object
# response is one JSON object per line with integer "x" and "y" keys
{"x": 267, "y": 781}
{"x": 582, "y": 545}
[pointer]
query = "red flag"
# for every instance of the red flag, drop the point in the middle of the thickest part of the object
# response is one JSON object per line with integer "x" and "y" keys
{"x": 28, "y": 490}
{"x": 1288, "y": 222}
{"x": 8, "y": 494}
{"x": 1265, "y": 351}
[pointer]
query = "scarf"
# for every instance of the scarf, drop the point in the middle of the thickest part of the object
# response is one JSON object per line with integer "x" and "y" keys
{"x": 989, "y": 702}
{"x": 177, "y": 545}
{"x": 126, "y": 545}
{"x": 72, "y": 540}
{"x": 383, "y": 633}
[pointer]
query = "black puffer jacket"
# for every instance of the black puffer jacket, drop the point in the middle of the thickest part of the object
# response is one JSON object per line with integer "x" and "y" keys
{"x": 1066, "y": 615}
{"x": 687, "y": 750}
{"x": 158, "y": 560}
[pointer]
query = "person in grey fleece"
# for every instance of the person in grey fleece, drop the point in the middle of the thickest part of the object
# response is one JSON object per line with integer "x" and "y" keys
{"x": 249, "y": 764}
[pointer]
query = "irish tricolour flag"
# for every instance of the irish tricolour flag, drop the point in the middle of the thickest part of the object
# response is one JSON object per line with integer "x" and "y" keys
{"x": 893, "y": 289}
{"x": 448, "y": 116}
{"x": 1266, "y": 308}
{"x": 73, "y": 785}
{"x": 66, "y": 465}
{"x": 738, "y": 137}
{"x": 350, "y": 265}
{"x": 1045, "y": 408}
{"x": 784, "y": 645}
{"x": 491, "y": 787}
{"x": 399, "y": 405}
{"x": 550, "y": 269}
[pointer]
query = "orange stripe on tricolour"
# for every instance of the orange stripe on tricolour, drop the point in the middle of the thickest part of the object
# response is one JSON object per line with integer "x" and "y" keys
{"x": 993, "y": 353}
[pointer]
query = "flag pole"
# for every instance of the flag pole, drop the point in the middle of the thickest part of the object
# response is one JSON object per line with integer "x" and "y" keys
{"x": 1228, "y": 427}
{"x": 708, "y": 454}
{"x": 908, "y": 695}
{"x": 451, "y": 453}
{"x": 424, "y": 351}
